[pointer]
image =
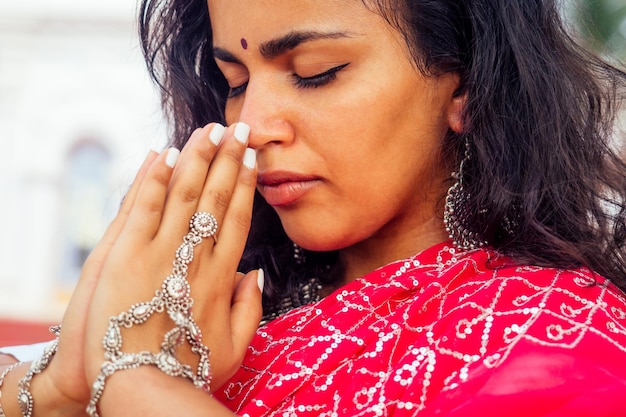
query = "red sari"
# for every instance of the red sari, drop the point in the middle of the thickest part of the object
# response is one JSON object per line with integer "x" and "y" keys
{"x": 444, "y": 334}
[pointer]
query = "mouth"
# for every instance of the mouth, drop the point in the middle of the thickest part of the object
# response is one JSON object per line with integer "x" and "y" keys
{"x": 282, "y": 188}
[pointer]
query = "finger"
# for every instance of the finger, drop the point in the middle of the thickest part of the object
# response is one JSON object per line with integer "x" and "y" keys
{"x": 188, "y": 179}
{"x": 93, "y": 263}
{"x": 236, "y": 223}
{"x": 244, "y": 316}
{"x": 238, "y": 277}
{"x": 113, "y": 231}
{"x": 214, "y": 132}
{"x": 224, "y": 173}
{"x": 129, "y": 198}
{"x": 74, "y": 323}
{"x": 246, "y": 310}
{"x": 95, "y": 260}
{"x": 234, "y": 228}
{"x": 144, "y": 217}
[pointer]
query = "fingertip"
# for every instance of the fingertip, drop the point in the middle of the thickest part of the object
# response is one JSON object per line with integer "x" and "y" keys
{"x": 151, "y": 156}
{"x": 260, "y": 279}
{"x": 216, "y": 134}
{"x": 171, "y": 157}
{"x": 242, "y": 130}
{"x": 247, "y": 308}
{"x": 129, "y": 198}
{"x": 249, "y": 158}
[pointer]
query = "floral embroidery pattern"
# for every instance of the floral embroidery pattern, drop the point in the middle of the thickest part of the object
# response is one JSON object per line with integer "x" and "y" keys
{"x": 400, "y": 339}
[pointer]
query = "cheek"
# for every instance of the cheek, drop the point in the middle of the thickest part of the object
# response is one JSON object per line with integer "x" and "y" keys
{"x": 231, "y": 112}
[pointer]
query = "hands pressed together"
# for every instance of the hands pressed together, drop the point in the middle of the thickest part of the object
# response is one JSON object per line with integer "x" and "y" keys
{"x": 214, "y": 173}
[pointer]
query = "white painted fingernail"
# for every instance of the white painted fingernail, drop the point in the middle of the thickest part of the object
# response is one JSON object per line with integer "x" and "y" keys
{"x": 249, "y": 158}
{"x": 217, "y": 133}
{"x": 171, "y": 157}
{"x": 242, "y": 131}
{"x": 260, "y": 279}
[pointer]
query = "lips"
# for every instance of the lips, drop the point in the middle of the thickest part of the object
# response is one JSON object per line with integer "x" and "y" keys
{"x": 283, "y": 188}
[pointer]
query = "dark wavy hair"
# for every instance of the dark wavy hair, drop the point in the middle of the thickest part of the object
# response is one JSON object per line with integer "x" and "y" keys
{"x": 546, "y": 180}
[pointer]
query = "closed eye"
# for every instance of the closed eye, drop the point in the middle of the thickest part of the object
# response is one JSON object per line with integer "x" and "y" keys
{"x": 314, "y": 81}
{"x": 235, "y": 91}
{"x": 319, "y": 79}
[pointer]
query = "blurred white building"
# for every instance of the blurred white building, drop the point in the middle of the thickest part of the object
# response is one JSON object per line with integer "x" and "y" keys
{"x": 78, "y": 114}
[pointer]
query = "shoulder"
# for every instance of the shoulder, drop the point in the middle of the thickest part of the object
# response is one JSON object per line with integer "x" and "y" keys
{"x": 550, "y": 307}
{"x": 547, "y": 305}
{"x": 545, "y": 341}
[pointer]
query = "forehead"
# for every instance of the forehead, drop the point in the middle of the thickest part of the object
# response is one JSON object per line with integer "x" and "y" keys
{"x": 257, "y": 21}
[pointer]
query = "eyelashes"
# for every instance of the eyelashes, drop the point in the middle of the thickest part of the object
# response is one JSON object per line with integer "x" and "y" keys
{"x": 314, "y": 81}
{"x": 235, "y": 91}
{"x": 319, "y": 79}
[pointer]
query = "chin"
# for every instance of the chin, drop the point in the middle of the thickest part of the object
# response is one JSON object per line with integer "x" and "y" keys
{"x": 318, "y": 241}
{"x": 318, "y": 233}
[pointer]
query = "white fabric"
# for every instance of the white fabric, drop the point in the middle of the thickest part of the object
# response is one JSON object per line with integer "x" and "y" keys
{"x": 25, "y": 353}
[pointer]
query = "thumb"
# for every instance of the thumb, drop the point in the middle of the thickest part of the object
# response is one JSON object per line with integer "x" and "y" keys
{"x": 246, "y": 310}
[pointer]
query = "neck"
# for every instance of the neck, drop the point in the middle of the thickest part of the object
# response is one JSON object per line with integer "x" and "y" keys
{"x": 378, "y": 251}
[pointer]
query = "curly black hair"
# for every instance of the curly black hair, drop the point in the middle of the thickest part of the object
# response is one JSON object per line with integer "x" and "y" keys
{"x": 540, "y": 117}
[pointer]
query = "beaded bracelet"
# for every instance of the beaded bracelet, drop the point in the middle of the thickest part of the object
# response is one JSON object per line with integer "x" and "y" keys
{"x": 4, "y": 374}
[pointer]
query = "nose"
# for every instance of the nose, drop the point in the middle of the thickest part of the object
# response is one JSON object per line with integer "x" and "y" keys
{"x": 265, "y": 110}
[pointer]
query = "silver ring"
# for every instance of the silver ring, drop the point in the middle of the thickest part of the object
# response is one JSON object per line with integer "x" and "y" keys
{"x": 203, "y": 224}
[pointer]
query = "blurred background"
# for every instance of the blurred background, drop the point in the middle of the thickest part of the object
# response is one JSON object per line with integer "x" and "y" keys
{"x": 602, "y": 24}
{"x": 78, "y": 114}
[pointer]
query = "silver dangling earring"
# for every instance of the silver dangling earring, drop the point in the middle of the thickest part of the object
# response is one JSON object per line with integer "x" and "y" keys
{"x": 456, "y": 212}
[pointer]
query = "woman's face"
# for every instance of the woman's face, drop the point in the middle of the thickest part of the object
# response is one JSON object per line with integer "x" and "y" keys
{"x": 346, "y": 129}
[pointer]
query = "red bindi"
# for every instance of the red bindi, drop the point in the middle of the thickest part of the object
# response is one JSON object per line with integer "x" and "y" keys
{"x": 244, "y": 43}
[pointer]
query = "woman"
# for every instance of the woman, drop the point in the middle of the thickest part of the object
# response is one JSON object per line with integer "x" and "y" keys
{"x": 348, "y": 117}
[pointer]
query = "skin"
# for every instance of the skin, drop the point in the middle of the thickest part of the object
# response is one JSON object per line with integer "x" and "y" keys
{"x": 367, "y": 143}
{"x": 370, "y": 136}
{"x": 7, "y": 360}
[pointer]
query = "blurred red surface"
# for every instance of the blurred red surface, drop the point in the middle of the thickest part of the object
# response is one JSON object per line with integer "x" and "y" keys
{"x": 16, "y": 332}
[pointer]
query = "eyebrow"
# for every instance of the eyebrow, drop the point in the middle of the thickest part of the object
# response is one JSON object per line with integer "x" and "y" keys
{"x": 276, "y": 47}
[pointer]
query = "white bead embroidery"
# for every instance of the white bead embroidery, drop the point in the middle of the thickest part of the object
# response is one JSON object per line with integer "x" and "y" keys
{"x": 526, "y": 316}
